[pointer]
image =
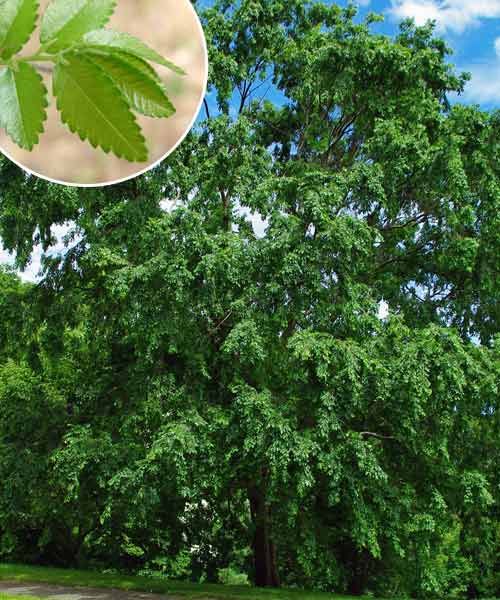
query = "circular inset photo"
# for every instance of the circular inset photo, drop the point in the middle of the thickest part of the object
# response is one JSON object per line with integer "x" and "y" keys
{"x": 94, "y": 92}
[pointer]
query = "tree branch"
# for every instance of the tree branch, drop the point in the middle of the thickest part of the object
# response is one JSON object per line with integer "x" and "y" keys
{"x": 207, "y": 110}
{"x": 376, "y": 435}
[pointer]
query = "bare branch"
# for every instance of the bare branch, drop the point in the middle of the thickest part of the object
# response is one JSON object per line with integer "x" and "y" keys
{"x": 219, "y": 325}
{"x": 207, "y": 110}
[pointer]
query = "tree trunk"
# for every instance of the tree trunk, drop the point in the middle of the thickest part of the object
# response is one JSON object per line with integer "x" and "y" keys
{"x": 264, "y": 549}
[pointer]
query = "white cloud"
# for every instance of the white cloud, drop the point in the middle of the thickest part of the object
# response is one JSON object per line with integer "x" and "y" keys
{"x": 420, "y": 10}
{"x": 484, "y": 86}
{"x": 453, "y": 15}
{"x": 497, "y": 46}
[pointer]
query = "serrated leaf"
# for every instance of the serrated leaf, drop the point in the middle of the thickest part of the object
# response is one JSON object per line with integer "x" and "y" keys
{"x": 17, "y": 22}
{"x": 23, "y": 99}
{"x": 93, "y": 107}
{"x": 137, "y": 81}
{"x": 66, "y": 21}
{"x": 129, "y": 43}
{"x": 137, "y": 62}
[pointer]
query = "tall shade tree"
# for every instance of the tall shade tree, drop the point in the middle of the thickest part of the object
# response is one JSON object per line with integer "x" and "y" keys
{"x": 219, "y": 319}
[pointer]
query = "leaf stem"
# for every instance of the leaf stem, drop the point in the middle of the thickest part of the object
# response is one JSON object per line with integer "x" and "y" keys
{"x": 38, "y": 57}
{"x": 34, "y": 58}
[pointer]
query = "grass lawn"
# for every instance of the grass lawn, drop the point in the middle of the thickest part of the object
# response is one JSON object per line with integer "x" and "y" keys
{"x": 16, "y": 597}
{"x": 70, "y": 577}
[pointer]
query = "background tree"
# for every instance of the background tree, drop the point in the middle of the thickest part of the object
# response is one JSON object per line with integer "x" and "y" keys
{"x": 228, "y": 392}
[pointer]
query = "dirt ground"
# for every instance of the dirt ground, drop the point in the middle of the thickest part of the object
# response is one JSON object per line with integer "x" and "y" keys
{"x": 171, "y": 28}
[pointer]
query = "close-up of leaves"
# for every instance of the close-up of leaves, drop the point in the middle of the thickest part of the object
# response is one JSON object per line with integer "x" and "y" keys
{"x": 100, "y": 77}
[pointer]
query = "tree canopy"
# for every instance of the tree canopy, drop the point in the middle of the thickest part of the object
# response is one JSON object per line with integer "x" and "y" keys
{"x": 204, "y": 377}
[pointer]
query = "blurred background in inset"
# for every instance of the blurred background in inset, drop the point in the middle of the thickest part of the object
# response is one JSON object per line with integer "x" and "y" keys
{"x": 172, "y": 29}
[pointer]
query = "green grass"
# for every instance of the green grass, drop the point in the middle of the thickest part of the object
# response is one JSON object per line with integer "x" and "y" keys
{"x": 71, "y": 577}
{"x": 16, "y": 597}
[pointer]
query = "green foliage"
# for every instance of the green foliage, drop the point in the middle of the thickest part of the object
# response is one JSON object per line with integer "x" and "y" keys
{"x": 13, "y": 295}
{"x": 17, "y": 22}
{"x": 145, "y": 95}
{"x": 65, "y": 22}
{"x": 93, "y": 106}
{"x": 24, "y": 100}
{"x": 101, "y": 77}
{"x": 231, "y": 392}
{"x": 230, "y": 576}
{"x": 107, "y": 38}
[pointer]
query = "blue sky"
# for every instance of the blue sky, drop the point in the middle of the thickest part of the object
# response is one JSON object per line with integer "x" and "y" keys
{"x": 472, "y": 30}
